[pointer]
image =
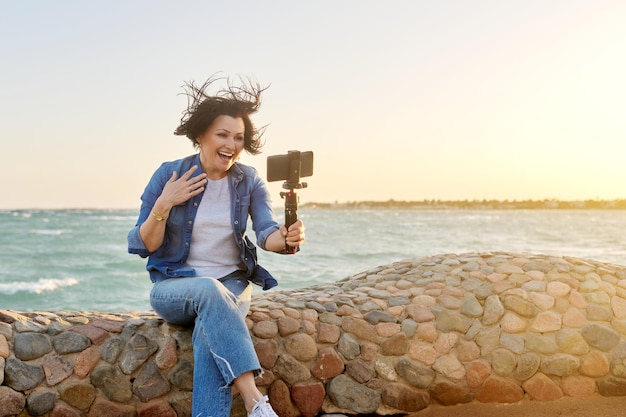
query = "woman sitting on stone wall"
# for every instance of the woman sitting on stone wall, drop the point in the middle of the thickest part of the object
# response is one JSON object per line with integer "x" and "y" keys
{"x": 191, "y": 226}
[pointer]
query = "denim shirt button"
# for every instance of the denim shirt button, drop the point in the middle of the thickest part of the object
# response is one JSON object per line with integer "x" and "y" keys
{"x": 236, "y": 221}
{"x": 186, "y": 243}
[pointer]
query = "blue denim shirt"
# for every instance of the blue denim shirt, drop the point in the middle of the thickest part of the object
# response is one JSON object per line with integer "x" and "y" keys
{"x": 249, "y": 197}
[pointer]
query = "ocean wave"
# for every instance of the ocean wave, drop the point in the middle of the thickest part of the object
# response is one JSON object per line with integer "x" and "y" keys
{"x": 36, "y": 287}
{"x": 48, "y": 232}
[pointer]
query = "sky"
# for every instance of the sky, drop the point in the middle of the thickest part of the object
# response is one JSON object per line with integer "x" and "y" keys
{"x": 403, "y": 100}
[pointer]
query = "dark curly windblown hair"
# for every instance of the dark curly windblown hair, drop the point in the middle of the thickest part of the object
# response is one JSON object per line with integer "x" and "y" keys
{"x": 235, "y": 101}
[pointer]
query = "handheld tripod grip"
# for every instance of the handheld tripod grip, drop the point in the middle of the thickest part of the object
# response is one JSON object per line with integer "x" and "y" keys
{"x": 291, "y": 213}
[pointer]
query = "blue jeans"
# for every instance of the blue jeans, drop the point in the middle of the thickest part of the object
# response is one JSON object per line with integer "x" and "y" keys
{"x": 222, "y": 347}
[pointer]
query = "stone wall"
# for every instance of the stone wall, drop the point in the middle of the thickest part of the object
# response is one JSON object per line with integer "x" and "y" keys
{"x": 447, "y": 329}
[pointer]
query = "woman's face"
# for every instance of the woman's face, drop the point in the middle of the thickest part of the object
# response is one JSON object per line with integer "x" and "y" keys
{"x": 220, "y": 145}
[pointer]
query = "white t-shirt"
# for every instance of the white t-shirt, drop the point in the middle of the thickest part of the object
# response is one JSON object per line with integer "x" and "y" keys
{"x": 214, "y": 252}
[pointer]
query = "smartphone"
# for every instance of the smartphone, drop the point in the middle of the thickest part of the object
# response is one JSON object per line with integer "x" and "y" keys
{"x": 279, "y": 166}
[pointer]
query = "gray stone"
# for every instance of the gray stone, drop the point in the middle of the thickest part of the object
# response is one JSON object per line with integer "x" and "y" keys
{"x": 398, "y": 301}
{"x": 114, "y": 384}
{"x": 183, "y": 338}
{"x": 512, "y": 342}
{"x": 375, "y": 317}
{"x": 111, "y": 349}
{"x": 70, "y": 342}
{"x": 448, "y": 321}
{"x": 29, "y": 346}
{"x": 545, "y": 343}
{"x": 41, "y": 402}
{"x": 138, "y": 349}
{"x": 415, "y": 374}
{"x": 349, "y": 394}
{"x": 348, "y": 346}
{"x": 503, "y": 362}
{"x": 360, "y": 370}
{"x": 409, "y": 327}
{"x": 150, "y": 383}
{"x": 600, "y": 337}
{"x": 471, "y": 307}
{"x": 527, "y": 366}
{"x": 291, "y": 370}
{"x": 560, "y": 365}
{"x": 182, "y": 376}
{"x": 21, "y": 376}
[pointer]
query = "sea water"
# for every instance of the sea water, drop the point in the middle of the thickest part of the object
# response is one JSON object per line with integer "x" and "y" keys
{"x": 77, "y": 260}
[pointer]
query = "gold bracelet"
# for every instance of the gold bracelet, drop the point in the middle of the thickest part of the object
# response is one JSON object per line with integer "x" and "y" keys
{"x": 158, "y": 217}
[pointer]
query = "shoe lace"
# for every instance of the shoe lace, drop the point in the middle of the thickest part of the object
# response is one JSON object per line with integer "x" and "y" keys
{"x": 262, "y": 409}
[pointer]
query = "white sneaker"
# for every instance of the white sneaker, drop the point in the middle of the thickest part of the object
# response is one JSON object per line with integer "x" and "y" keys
{"x": 262, "y": 409}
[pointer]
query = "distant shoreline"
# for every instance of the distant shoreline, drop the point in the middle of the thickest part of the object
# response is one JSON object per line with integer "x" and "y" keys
{"x": 547, "y": 204}
{"x": 476, "y": 205}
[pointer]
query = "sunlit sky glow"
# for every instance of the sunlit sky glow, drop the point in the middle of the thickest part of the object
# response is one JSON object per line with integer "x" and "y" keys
{"x": 404, "y": 100}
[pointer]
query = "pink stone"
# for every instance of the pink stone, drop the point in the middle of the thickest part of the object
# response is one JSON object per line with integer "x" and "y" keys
{"x": 265, "y": 329}
{"x": 369, "y": 351}
{"x": 445, "y": 342}
{"x": 476, "y": 372}
{"x": 4, "y": 347}
{"x": 579, "y": 386}
{"x": 56, "y": 368}
{"x": 310, "y": 315}
{"x": 577, "y": 300}
{"x": 420, "y": 313}
{"x": 308, "y": 397}
{"x": 594, "y": 364}
{"x": 86, "y": 361}
{"x": 287, "y": 326}
{"x": 360, "y": 328}
{"x": 308, "y": 327}
{"x": 327, "y": 333}
{"x": 387, "y": 329}
{"x": 496, "y": 277}
{"x": 541, "y": 388}
{"x": 541, "y": 300}
{"x": 114, "y": 326}
{"x": 93, "y": 333}
{"x": 267, "y": 352}
{"x": 167, "y": 357}
{"x": 346, "y": 310}
{"x": 301, "y": 346}
{"x": 292, "y": 312}
{"x": 328, "y": 364}
{"x": 512, "y": 323}
{"x": 499, "y": 390}
{"x": 502, "y": 286}
{"x": 450, "y": 302}
{"x": 558, "y": 289}
{"x": 423, "y": 353}
{"x": 467, "y": 350}
{"x": 276, "y": 313}
{"x": 546, "y": 321}
{"x": 618, "y": 304}
{"x": 258, "y": 316}
{"x": 427, "y": 332}
{"x": 574, "y": 318}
